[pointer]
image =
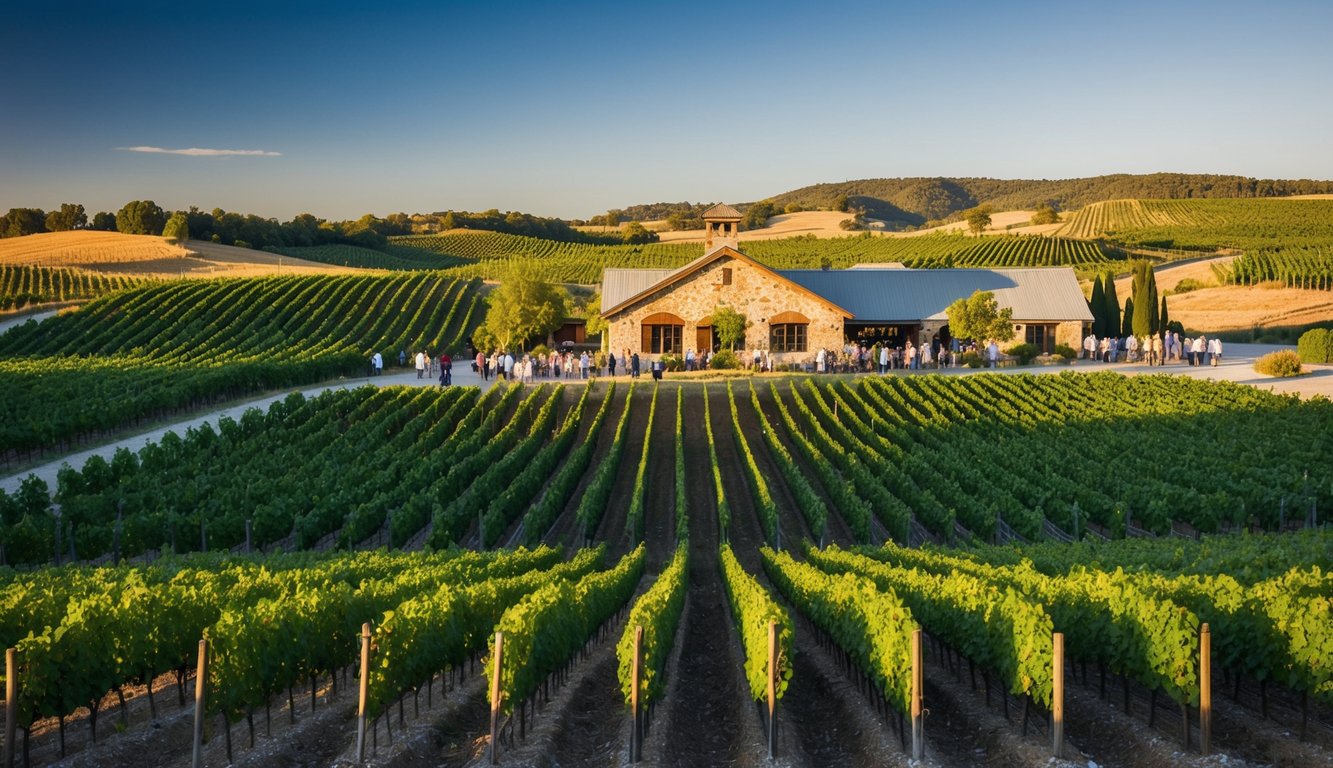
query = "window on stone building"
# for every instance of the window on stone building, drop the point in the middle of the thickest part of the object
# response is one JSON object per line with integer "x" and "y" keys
{"x": 663, "y": 333}
{"x": 726, "y": 275}
{"x": 787, "y": 337}
{"x": 1042, "y": 336}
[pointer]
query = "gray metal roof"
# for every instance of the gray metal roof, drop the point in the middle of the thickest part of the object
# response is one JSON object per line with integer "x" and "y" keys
{"x": 621, "y": 284}
{"x": 908, "y": 295}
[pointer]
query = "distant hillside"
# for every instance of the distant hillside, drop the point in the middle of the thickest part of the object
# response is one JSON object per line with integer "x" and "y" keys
{"x": 916, "y": 201}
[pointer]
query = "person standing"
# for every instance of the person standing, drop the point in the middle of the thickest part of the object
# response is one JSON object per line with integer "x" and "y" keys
{"x": 402, "y": 358}
{"x": 377, "y": 362}
{"x": 993, "y": 354}
{"x": 481, "y": 366}
{"x": 611, "y": 364}
{"x": 821, "y": 360}
{"x": 883, "y": 359}
{"x": 583, "y": 365}
{"x": 1214, "y": 351}
{"x": 421, "y": 364}
{"x": 509, "y": 367}
{"x": 634, "y": 365}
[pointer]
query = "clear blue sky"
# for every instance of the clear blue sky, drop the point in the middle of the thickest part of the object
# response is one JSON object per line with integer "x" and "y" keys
{"x": 568, "y": 108}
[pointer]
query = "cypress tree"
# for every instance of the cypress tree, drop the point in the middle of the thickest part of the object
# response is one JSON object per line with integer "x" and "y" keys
{"x": 1097, "y": 305}
{"x": 1127, "y": 327}
{"x": 1154, "y": 317}
{"x": 1111, "y": 310}
{"x": 1144, "y": 303}
{"x": 1163, "y": 317}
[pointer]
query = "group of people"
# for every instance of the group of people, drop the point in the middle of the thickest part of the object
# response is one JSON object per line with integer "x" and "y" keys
{"x": 425, "y": 365}
{"x": 1155, "y": 349}
{"x": 528, "y": 367}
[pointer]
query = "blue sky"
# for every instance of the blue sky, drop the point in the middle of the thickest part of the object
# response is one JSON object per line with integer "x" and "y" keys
{"x": 567, "y": 109}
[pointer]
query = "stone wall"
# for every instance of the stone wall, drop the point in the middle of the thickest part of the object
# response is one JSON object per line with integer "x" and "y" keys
{"x": 1070, "y": 333}
{"x": 755, "y": 293}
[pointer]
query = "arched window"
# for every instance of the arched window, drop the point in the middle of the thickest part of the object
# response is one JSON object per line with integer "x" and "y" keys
{"x": 663, "y": 333}
{"x": 787, "y": 332}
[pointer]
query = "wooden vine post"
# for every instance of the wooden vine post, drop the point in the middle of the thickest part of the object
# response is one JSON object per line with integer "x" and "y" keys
{"x": 364, "y": 695}
{"x": 772, "y": 687}
{"x": 1058, "y": 696}
{"x": 1205, "y": 690}
{"x": 918, "y": 726}
{"x": 495, "y": 698}
{"x": 636, "y": 727}
{"x": 200, "y": 685}
{"x": 11, "y": 704}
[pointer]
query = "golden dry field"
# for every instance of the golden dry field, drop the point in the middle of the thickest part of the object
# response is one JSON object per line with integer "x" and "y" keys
{"x": 150, "y": 256}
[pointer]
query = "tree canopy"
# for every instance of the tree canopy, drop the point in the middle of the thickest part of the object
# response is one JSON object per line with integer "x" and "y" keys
{"x": 141, "y": 217}
{"x": 521, "y": 308}
{"x": 22, "y": 221}
{"x": 70, "y": 216}
{"x": 978, "y": 218}
{"x": 979, "y": 317}
{"x": 1146, "y": 319}
{"x": 177, "y": 229}
{"x": 1045, "y": 214}
{"x": 729, "y": 325}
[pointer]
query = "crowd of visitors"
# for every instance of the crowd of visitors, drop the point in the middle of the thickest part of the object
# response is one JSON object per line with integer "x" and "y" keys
{"x": 1156, "y": 349}
{"x": 880, "y": 358}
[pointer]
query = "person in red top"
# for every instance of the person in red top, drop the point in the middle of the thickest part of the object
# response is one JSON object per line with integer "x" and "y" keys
{"x": 446, "y": 369}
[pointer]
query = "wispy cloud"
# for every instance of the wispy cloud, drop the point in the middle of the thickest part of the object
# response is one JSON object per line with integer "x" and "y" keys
{"x": 199, "y": 152}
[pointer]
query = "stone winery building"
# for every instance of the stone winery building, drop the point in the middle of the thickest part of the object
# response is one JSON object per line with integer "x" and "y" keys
{"x": 795, "y": 312}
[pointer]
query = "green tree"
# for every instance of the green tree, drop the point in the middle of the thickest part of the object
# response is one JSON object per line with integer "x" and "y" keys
{"x": 1097, "y": 306}
{"x": 1127, "y": 326}
{"x": 141, "y": 217}
{"x": 22, "y": 221}
{"x": 596, "y": 325}
{"x": 104, "y": 221}
{"x": 1045, "y": 213}
{"x": 757, "y": 215}
{"x": 729, "y": 325}
{"x": 522, "y": 307}
{"x": 977, "y": 218}
{"x": 1163, "y": 321}
{"x": 635, "y": 233}
{"x": 979, "y": 317}
{"x": 177, "y": 229}
{"x": 1145, "y": 299}
{"x": 70, "y": 216}
{"x": 1111, "y": 311}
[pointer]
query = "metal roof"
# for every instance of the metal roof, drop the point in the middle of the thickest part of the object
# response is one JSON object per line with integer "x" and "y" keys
{"x": 620, "y": 284}
{"x": 909, "y": 295}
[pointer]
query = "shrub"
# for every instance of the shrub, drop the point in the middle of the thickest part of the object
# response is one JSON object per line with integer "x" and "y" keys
{"x": 725, "y": 359}
{"x": 972, "y": 360}
{"x": 1316, "y": 346}
{"x": 673, "y": 362}
{"x": 1282, "y": 364}
{"x": 1186, "y": 285}
{"x": 1025, "y": 353}
{"x": 1065, "y": 351}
